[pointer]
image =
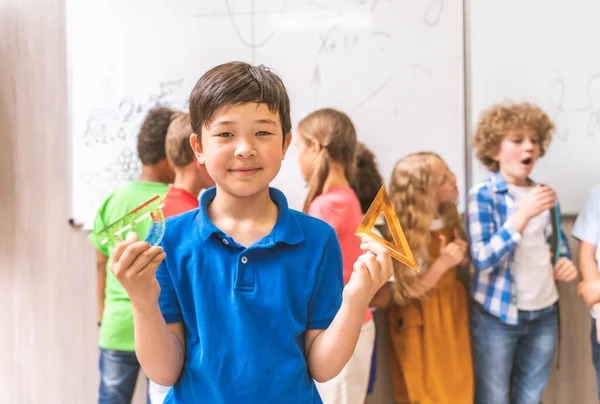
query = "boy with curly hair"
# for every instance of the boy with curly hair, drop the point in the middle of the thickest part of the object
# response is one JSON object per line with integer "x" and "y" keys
{"x": 119, "y": 366}
{"x": 515, "y": 312}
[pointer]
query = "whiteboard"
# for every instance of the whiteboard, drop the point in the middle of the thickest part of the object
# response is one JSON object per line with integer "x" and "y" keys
{"x": 522, "y": 50}
{"x": 395, "y": 67}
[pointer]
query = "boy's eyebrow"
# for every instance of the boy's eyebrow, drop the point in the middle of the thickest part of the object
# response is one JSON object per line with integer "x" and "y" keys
{"x": 266, "y": 120}
{"x": 229, "y": 122}
{"x": 223, "y": 123}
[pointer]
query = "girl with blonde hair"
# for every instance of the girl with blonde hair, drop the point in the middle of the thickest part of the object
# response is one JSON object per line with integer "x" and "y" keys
{"x": 428, "y": 318}
{"x": 326, "y": 143}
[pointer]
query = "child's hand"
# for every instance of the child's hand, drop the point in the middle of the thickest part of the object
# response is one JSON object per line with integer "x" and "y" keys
{"x": 589, "y": 291}
{"x": 564, "y": 270}
{"x": 538, "y": 200}
{"x": 452, "y": 254}
{"x": 134, "y": 264}
{"x": 371, "y": 271}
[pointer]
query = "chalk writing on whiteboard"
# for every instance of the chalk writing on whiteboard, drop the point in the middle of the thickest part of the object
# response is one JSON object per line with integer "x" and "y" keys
{"x": 373, "y": 3}
{"x": 109, "y": 126}
{"x": 247, "y": 17}
{"x": 433, "y": 12}
{"x": 590, "y": 108}
{"x": 334, "y": 39}
{"x": 319, "y": 5}
{"x": 556, "y": 97}
{"x": 126, "y": 167}
{"x": 384, "y": 84}
{"x": 592, "y": 97}
{"x": 315, "y": 84}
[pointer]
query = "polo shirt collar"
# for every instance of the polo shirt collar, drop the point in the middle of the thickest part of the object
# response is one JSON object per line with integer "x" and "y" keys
{"x": 286, "y": 230}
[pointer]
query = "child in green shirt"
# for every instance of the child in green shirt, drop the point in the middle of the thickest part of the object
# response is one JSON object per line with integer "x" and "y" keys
{"x": 118, "y": 363}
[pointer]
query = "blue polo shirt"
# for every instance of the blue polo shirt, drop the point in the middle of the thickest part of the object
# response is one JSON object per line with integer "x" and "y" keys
{"x": 245, "y": 310}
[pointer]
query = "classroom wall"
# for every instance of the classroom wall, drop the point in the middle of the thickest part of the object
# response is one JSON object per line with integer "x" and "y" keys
{"x": 47, "y": 308}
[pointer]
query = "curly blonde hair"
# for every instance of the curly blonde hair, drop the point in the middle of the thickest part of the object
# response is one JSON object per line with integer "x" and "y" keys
{"x": 495, "y": 123}
{"x": 411, "y": 192}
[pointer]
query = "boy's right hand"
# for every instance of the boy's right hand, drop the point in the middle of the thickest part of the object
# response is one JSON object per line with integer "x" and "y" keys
{"x": 540, "y": 198}
{"x": 452, "y": 254}
{"x": 134, "y": 264}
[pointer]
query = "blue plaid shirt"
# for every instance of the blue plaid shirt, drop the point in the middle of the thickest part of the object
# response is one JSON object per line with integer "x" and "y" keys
{"x": 492, "y": 241}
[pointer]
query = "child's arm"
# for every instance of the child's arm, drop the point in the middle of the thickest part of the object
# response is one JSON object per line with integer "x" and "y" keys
{"x": 101, "y": 261}
{"x": 589, "y": 289}
{"x": 159, "y": 347}
{"x": 490, "y": 247}
{"x": 383, "y": 297}
{"x": 328, "y": 351}
{"x": 450, "y": 255}
{"x": 587, "y": 231}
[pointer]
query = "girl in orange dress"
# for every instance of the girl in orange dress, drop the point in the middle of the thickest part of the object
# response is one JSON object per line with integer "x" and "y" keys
{"x": 428, "y": 316}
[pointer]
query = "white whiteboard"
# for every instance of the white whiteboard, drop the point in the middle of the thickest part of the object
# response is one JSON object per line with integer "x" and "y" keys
{"x": 396, "y": 67}
{"x": 522, "y": 50}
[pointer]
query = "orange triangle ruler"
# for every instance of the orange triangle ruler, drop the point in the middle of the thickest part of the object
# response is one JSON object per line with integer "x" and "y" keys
{"x": 399, "y": 249}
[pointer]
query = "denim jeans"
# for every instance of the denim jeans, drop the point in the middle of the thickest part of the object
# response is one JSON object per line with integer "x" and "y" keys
{"x": 118, "y": 375}
{"x": 596, "y": 355}
{"x": 512, "y": 362}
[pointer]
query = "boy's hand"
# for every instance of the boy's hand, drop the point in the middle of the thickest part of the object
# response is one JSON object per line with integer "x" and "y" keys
{"x": 134, "y": 264}
{"x": 589, "y": 291}
{"x": 564, "y": 270}
{"x": 371, "y": 271}
{"x": 454, "y": 253}
{"x": 538, "y": 200}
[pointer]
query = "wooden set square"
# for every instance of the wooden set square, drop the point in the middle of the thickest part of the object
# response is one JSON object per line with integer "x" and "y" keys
{"x": 399, "y": 249}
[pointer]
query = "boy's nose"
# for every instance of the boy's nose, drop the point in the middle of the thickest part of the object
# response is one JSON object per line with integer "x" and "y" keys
{"x": 245, "y": 149}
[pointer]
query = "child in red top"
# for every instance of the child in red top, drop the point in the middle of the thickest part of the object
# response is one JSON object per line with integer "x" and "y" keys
{"x": 190, "y": 176}
{"x": 326, "y": 143}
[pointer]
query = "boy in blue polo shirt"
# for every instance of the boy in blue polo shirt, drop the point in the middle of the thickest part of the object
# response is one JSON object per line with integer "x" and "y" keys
{"x": 246, "y": 305}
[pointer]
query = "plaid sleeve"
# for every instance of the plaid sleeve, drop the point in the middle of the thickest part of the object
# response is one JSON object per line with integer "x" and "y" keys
{"x": 489, "y": 246}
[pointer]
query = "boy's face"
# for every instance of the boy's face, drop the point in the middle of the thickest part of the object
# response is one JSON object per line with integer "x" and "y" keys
{"x": 242, "y": 148}
{"x": 518, "y": 153}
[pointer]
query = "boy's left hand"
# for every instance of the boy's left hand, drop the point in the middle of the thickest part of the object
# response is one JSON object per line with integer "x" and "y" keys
{"x": 564, "y": 270}
{"x": 371, "y": 271}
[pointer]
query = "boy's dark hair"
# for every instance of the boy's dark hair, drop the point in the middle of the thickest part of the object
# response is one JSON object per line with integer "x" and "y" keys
{"x": 237, "y": 83}
{"x": 179, "y": 150}
{"x": 367, "y": 178}
{"x": 153, "y": 134}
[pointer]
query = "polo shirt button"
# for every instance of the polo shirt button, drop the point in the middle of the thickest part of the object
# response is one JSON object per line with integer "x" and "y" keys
{"x": 225, "y": 241}
{"x": 244, "y": 260}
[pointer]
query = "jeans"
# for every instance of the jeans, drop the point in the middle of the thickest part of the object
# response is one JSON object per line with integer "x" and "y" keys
{"x": 118, "y": 375}
{"x": 596, "y": 355}
{"x": 512, "y": 362}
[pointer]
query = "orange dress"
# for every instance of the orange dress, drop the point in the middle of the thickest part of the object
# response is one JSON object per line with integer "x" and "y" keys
{"x": 430, "y": 345}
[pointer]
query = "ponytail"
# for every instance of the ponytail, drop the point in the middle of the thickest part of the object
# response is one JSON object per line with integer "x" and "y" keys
{"x": 318, "y": 178}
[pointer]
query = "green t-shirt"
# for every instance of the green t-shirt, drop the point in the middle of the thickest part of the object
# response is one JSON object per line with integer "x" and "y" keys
{"x": 116, "y": 332}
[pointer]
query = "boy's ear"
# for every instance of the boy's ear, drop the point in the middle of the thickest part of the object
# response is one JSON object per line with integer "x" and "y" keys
{"x": 286, "y": 144}
{"x": 197, "y": 148}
